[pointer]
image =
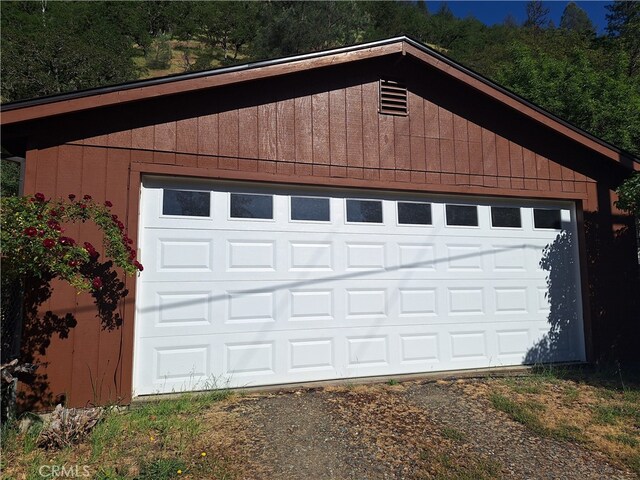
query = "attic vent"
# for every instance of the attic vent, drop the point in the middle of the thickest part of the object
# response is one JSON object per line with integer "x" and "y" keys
{"x": 393, "y": 98}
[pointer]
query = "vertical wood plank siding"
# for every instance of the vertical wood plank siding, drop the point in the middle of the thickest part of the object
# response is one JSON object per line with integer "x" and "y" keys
{"x": 331, "y": 132}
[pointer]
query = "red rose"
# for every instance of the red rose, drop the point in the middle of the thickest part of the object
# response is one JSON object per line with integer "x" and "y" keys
{"x": 67, "y": 241}
{"x": 120, "y": 225}
{"x": 41, "y": 233}
{"x": 138, "y": 265}
{"x": 73, "y": 263}
{"x": 132, "y": 254}
{"x": 108, "y": 204}
{"x": 39, "y": 197}
{"x": 61, "y": 209}
{"x": 87, "y": 197}
{"x": 91, "y": 250}
{"x": 72, "y": 197}
{"x": 97, "y": 283}
{"x": 31, "y": 231}
{"x": 48, "y": 243}
{"x": 53, "y": 213}
{"x": 114, "y": 217}
{"x": 82, "y": 205}
{"x": 54, "y": 225}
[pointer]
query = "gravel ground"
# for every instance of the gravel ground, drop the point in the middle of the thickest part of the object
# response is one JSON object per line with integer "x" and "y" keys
{"x": 409, "y": 431}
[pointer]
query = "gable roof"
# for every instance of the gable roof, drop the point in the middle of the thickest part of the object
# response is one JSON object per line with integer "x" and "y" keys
{"x": 44, "y": 107}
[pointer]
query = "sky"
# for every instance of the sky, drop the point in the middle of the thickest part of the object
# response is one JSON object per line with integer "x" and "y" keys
{"x": 491, "y": 12}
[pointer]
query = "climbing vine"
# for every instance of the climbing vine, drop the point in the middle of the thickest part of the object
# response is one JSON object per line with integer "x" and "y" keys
{"x": 33, "y": 242}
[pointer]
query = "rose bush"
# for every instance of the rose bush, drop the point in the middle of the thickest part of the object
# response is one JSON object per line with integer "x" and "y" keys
{"x": 33, "y": 244}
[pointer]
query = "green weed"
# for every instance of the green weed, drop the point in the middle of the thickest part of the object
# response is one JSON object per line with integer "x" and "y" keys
{"x": 624, "y": 439}
{"x": 162, "y": 469}
{"x": 518, "y": 412}
{"x": 453, "y": 434}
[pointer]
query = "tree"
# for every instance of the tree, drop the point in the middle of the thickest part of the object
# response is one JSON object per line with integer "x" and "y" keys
{"x": 61, "y": 47}
{"x": 510, "y": 21}
{"x": 594, "y": 94}
{"x": 228, "y": 25}
{"x": 537, "y": 15}
{"x": 575, "y": 19}
{"x": 290, "y": 27}
{"x": 422, "y": 6}
{"x": 629, "y": 195}
{"x": 623, "y": 22}
{"x": 10, "y": 172}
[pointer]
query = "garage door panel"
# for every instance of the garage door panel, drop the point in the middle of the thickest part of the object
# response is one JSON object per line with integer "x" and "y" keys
{"x": 171, "y": 258}
{"x": 207, "y": 307}
{"x": 242, "y": 301}
{"x": 251, "y": 358}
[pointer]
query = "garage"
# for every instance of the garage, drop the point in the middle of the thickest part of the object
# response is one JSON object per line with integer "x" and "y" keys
{"x": 247, "y": 284}
{"x": 373, "y": 210}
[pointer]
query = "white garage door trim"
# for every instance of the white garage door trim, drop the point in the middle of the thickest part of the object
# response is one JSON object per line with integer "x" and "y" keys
{"x": 235, "y": 302}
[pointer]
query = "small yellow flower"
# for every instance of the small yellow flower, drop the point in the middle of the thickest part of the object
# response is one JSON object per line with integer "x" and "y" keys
{"x": 179, "y": 472}
{"x": 203, "y": 454}
{"x": 151, "y": 438}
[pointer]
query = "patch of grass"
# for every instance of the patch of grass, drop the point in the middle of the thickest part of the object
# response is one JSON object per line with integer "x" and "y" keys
{"x": 605, "y": 414}
{"x": 30, "y": 438}
{"x": 528, "y": 384}
{"x": 9, "y": 436}
{"x": 571, "y": 394}
{"x": 564, "y": 431}
{"x": 469, "y": 469}
{"x": 162, "y": 469}
{"x": 108, "y": 473}
{"x": 154, "y": 440}
{"x": 633, "y": 462}
{"x": 453, "y": 434}
{"x": 518, "y": 412}
{"x": 534, "y": 405}
{"x": 599, "y": 408}
{"x": 632, "y": 396}
{"x": 624, "y": 439}
{"x": 611, "y": 414}
{"x": 528, "y": 413}
{"x": 550, "y": 373}
{"x": 105, "y": 433}
{"x": 392, "y": 382}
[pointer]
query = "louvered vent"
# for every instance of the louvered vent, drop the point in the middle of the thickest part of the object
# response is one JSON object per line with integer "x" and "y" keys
{"x": 393, "y": 98}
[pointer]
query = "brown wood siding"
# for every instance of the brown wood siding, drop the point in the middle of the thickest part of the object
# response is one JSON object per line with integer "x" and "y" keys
{"x": 329, "y": 133}
{"x": 342, "y": 128}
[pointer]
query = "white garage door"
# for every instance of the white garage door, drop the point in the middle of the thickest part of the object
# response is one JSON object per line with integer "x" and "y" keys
{"x": 245, "y": 285}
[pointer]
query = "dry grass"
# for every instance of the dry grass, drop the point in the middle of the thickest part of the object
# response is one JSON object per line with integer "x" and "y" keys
{"x": 403, "y": 437}
{"x": 600, "y": 411}
{"x": 184, "y": 55}
{"x": 194, "y": 434}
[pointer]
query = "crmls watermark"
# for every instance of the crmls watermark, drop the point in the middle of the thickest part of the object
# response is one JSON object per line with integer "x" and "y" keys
{"x": 64, "y": 471}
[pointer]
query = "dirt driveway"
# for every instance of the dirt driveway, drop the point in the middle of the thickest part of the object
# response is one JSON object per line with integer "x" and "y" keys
{"x": 537, "y": 426}
{"x": 406, "y": 431}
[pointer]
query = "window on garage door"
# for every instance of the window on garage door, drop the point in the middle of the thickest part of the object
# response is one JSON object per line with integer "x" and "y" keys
{"x": 315, "y": 209}
{"x": 249, "y": 205}
{"x": 186, "y": 203}
{"x": 364, "y": 211}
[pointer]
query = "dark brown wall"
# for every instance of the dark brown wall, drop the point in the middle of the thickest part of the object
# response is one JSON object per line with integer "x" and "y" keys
{"x": 319, "y": 127}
